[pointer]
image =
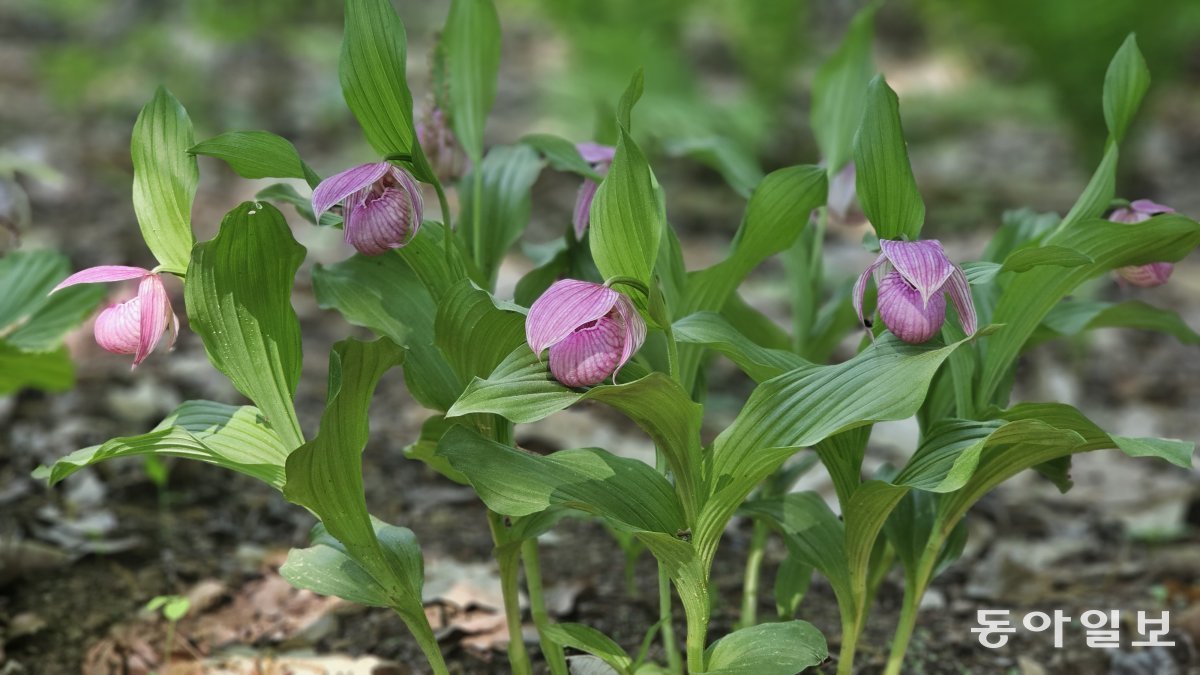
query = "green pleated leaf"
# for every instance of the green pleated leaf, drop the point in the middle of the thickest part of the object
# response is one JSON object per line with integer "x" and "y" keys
{"x": 508, "y": 173}
{"x": 30, "y": 318}
{"x": 474, "y": 333}
{"x": 426, "y": 256}
{"x": 1125, "y": 85}
{"x": 471, "y": 44}
{"x": 1030, "y": 296}
{"x": 234, "y": 437}
{"x": 1075, "y": 316}
{"x": 373, "y": 76}
{"x": 792, "y": 581}
{"x": 1026, "y": 259}
{"x": 27, "y": 278}
{"x": 328, "y": 568}
{"x": 257, "y": 154}
{"x": 164, "y": 180}
{"x": 1100, "y": 190}
{"x": 522, "y": 390}
{"x": 47, "y": 371}
{"x": 842, "y": 455}
{"x": 425, "y": 448}
{"x": 238, "y": 294}
{"x": 840, "y": 91}
{"x": 714, "y": 331}
{"x": 887, "y": 190}
{"x": 628, "y": 214}
{"x": 282, "y": 192}
{"x": 784, "y": 648}
{"x": 325, "y": 474}
{"x": 384, "y": 294}
{"x": 737, "y": 165}
{"x": 627, "y": 492}
{"x": 589, "y": 640}
{"x": 44, "y": 329}
{"x": 561, "y": 154}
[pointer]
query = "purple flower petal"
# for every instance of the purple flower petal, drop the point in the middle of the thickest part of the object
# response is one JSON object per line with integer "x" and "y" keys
{"x": 339, "y": 186}
{"x": 1147, "y": 276}
{"x": 906, "y": 313}
{"x": 633, "y": 328}
{"x": 563, "y": 308}
{"x": 1150, "y": 208}
{"x": 860, "y": 287}
{"x": 377, "y": 221}
{"x": 964, "y": 304}
{"x": 595, "y": 153}
{"x": 1138, "y": 211}
{"x": 583, "y": 207}
{"x": 102, "y": 274}
{"x": 589, "y": 355}
{"x": 154, "y": 316}
{"x": 923, "y": 264}
{"x": 118, "y": 327}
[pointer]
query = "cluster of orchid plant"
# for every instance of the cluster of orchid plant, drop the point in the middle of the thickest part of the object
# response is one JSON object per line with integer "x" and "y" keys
{"x": 614, "y": 317}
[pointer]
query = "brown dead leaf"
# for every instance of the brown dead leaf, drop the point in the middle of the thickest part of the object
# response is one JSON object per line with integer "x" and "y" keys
{"x": 285, "y": 664}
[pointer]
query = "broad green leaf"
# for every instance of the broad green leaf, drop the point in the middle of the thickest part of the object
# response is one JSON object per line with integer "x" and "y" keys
{"x": 508, "y": 173}
{"x": 47, "y": 371}
{"x": 1030, "y": 296}
{"x": 784, "y": 648}
{"x": 63, "y": 311}
{"x": 589, "y": 640}
{"x": 791, "y": 585}
{"x": 328, "y": 568}
{"x": 473, "y": 333}
{"x": 1071, "y": 317}
{"x": 233, "y": 437}
{"x": 282, "y": 192}
{"x": 257, "y": 154}
{"x": 561, "y": 154}
{"x": 325, "y": 474}
{"x": 31, "y": 319}
{"x": 1026, "y": 259}
{"x": 238, "y": 294}
{"x": 1098, "y": 193}
{"x": 715, "y": 332}
{"x": 425, "y": 448}
{"x": 736, "y": 165}
{"x": 1125, "y": 84}
{"x": 754, "y": 324}
{"x": 471, "y": 44}
{"x": 373, "y": 76}
{"x": 840, "y": 91}
{"x": 800, "y": 408}
{"x": 885, "y": 185}
{"x": 164, "y": 180}
{"x": 1019, "y": 228}
{"x": 628, "y": 214}
{"x": 627, "y": 492}
{"x": 384, "y": 294}
{"x": 426, "y": 256}
{"x": 522, "y": 390}
{"x": 842, "y": 454}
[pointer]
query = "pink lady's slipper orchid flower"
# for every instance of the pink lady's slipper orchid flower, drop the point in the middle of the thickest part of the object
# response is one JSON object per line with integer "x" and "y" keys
{"x": 591, "y": 331}
{"x": 913, "y": 278}
{"x": 441, "y": 148}
{"x": 382, "y": 205}
{"x": 1152, "y": 274}
{"x": 135, "y": 326}
{"x": 600, "y": 157}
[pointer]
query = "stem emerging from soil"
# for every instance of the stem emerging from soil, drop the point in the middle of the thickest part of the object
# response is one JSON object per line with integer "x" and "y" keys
{"x": 666, "y": 616}
{"x": 537, "y": 607}
{"x": 509, "y": 557}
{"x": 914, "y": 590}
{"x": 418, "y": 625}
{"x": 754, "y": 560}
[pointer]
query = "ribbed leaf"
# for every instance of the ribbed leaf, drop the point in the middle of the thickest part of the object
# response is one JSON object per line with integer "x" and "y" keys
{"x": 47, "y": 371}
{"x": 1125, "y": 84}
{"x": 238, "y": 293}
{"x": 328, "y": 568}
{"x": 164, "y": 180}
{"x": 373, "y": 76}
{"x": 886, "y": 188}
{"x": 257, "y": 154}
{"x": 561, "y": 154}
{"x": 783, "y": 648}
{"x": 840, "y": 91}
{"x": 32, "y": 320}
{"x": 234, "y": 437}
{"x": 509, "y": 171}
{"x": 471, "y": 40}
{"x": 714, "y": 331}
{"x": 473, "y": 333}
{"x": 737, "y": 165}
{"x": 1071, "y": 317}
{"x": 589, "y": 640}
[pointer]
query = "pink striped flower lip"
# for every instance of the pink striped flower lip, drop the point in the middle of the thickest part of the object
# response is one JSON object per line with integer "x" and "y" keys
{"x": 590, "y": 329}
{"x": 912, "y": 278}
{"x": 382, "y": 206}
{"x": 134, "y": 326}
{"x": 1151, "y": 274}
{"x": 600, "y": 157}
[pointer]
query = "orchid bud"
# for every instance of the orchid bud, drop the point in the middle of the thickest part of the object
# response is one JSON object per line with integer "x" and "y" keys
{"x": 134, "y": 326}
{"x": 1151, "y": 274}
{"x": 590, "y": 329}
{"x": 440, "y": 146}
{"x": 600, "y": 157}
{"x": 913, "y": 278}
{"x": 843, "y": 197}
{"x": 382, "y": 206}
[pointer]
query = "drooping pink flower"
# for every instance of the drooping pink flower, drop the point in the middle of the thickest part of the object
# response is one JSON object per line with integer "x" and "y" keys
{"x": 440, "y": 146}
{"x": 600, "y": 157}
{"x": 1150, "y": 274}
{"x": 913, "y": 278}
{"x": 134, "y": 326}
{"x": 590, "y": 329}
{"x": 382, "y": 206}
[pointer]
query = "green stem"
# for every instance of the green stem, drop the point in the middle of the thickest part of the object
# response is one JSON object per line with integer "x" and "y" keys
{"x": 914, "y": 590}
{"x": 666, "y": 618}
{"x": 447, "y": 230}
{"x": 697, "y": 635}
{"x": 477, "y": 205}
{"x": 754, "y": 560}
{"x": 850, "y": 632}
{"x": 418, "y": 625}
{"x": 552, "y": 651}
{"x": 508, "y": 556}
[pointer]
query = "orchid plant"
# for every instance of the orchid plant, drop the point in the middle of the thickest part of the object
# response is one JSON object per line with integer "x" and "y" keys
{"x": 615, "y": 317}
